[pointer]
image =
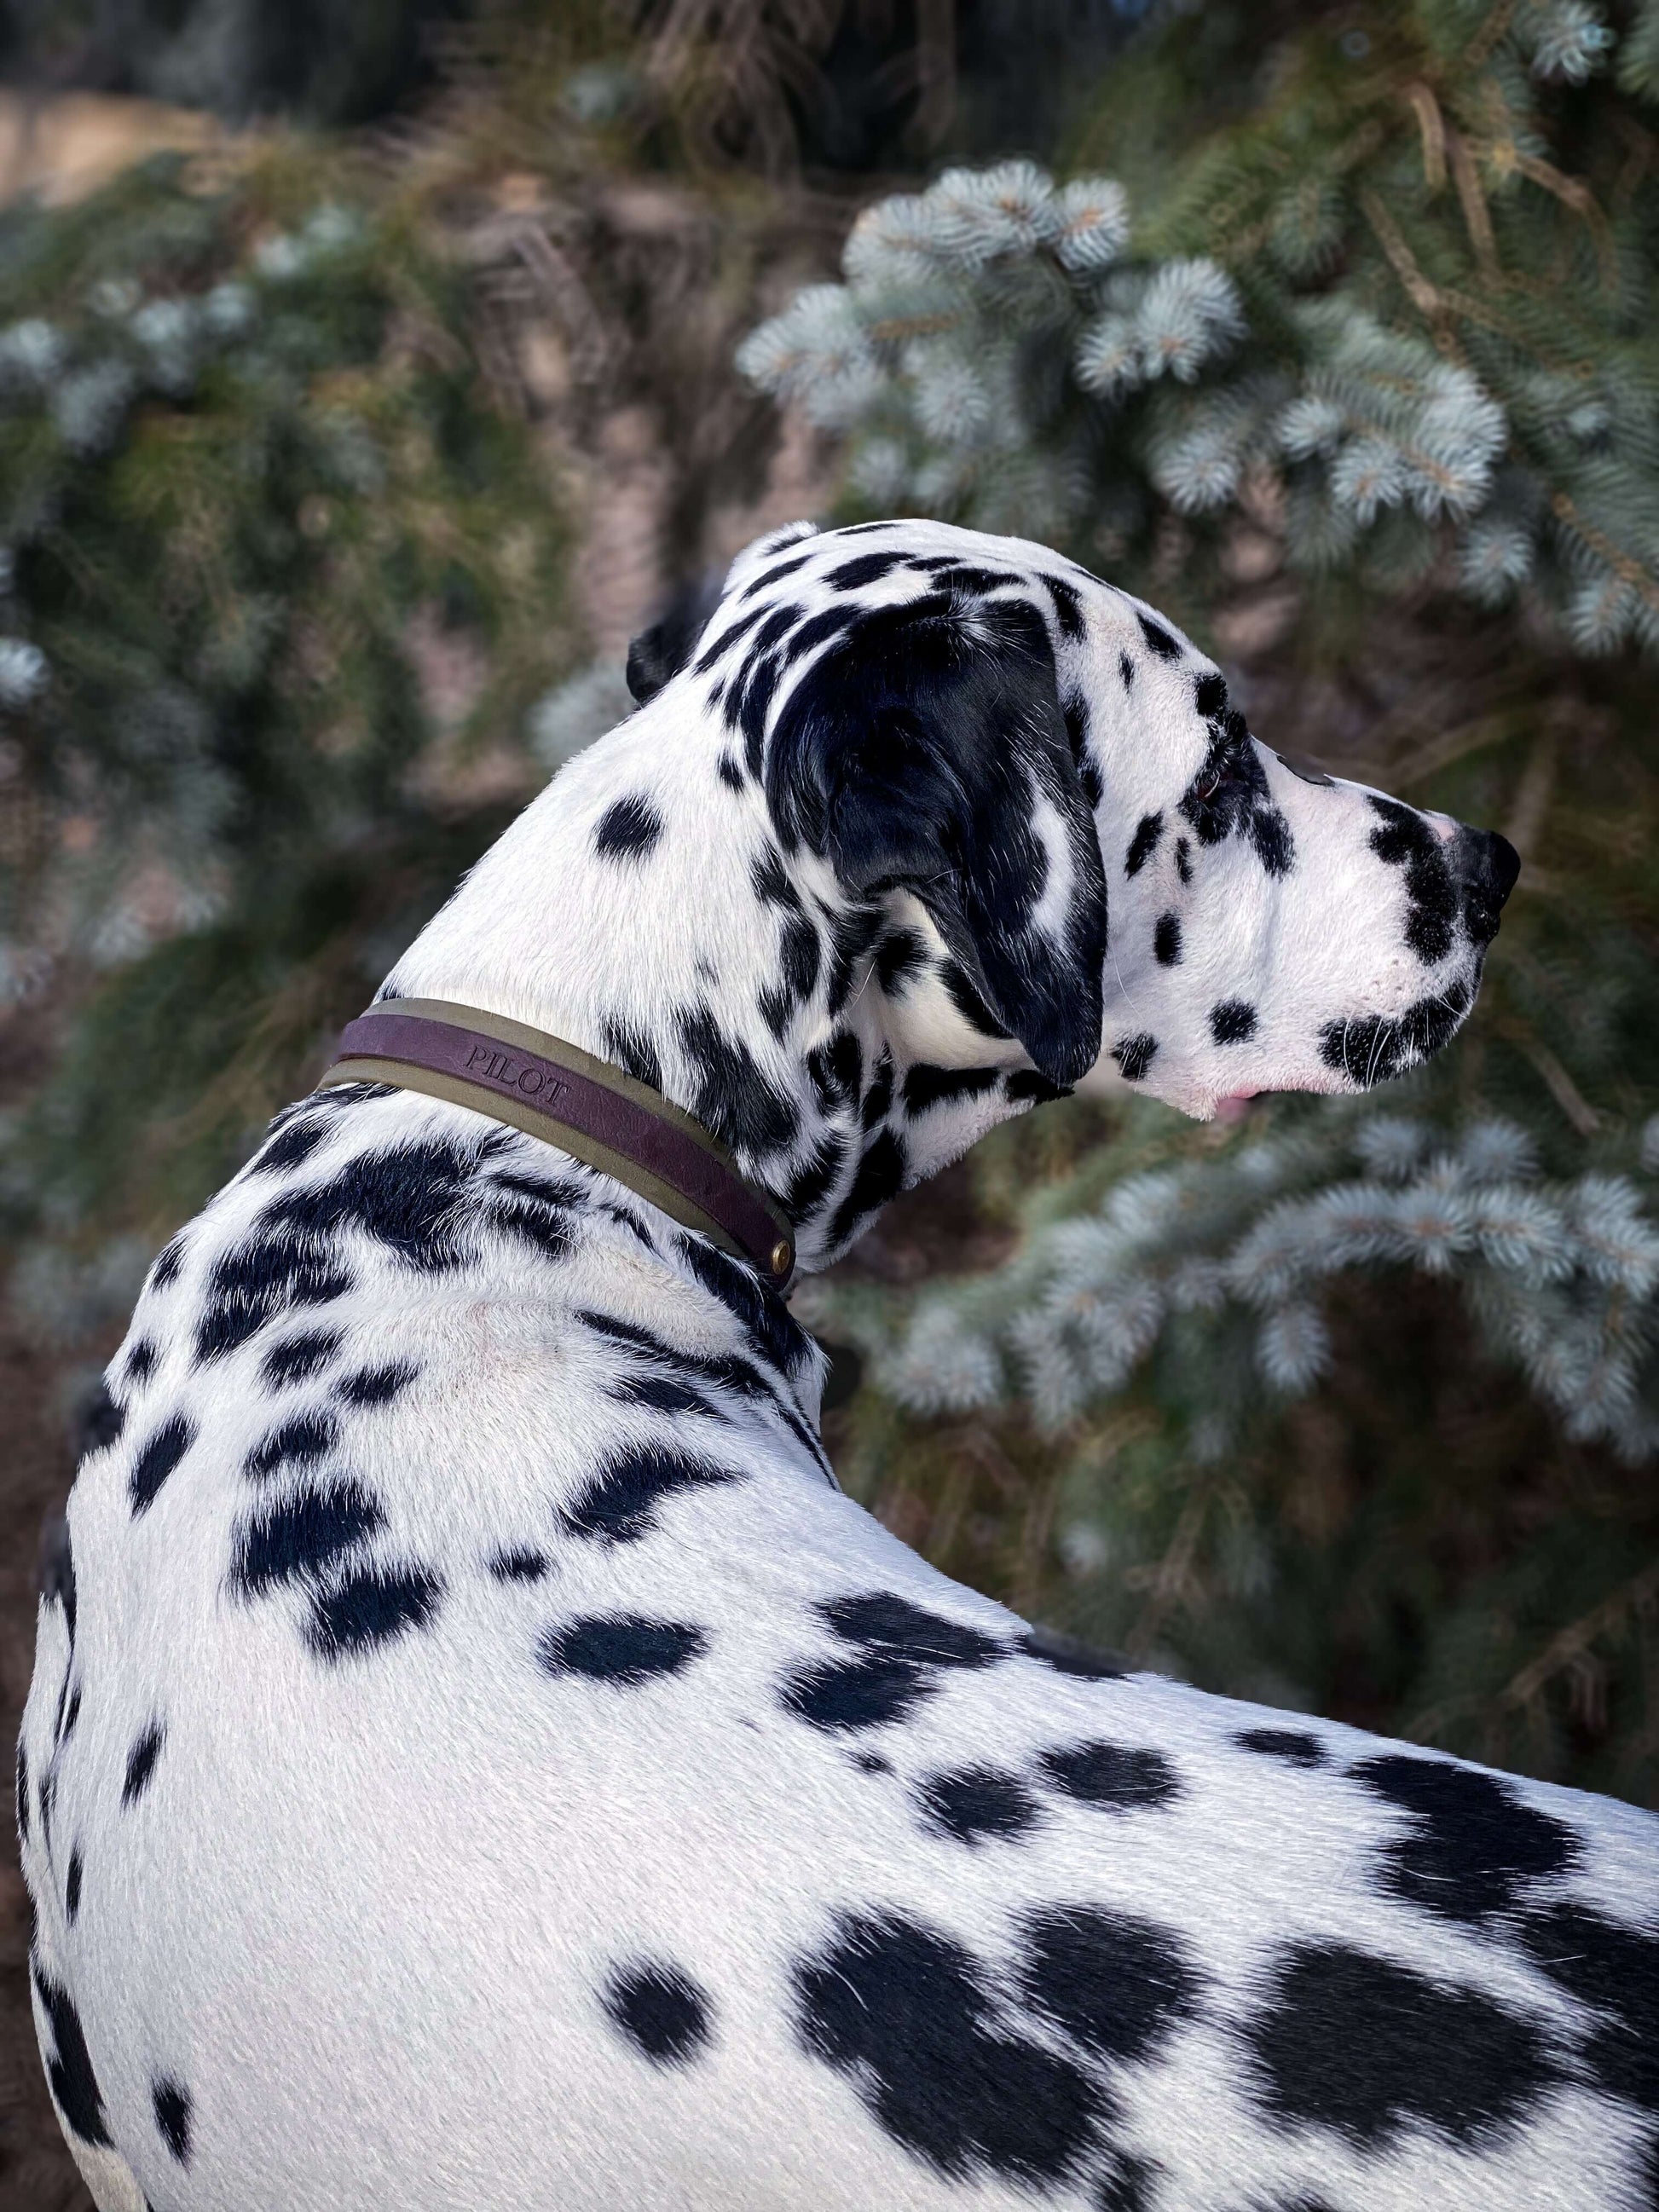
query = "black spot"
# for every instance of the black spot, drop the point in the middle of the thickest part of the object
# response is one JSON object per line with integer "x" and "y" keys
{"x": 521, "y": 1565}
{"x": 1117, "y": 1776}
{"x": 257, "y": 1280}
{"x": 1115, "y": 1983}
{"x": 727, "y": 769}
{"x": 296, "y": 1539}
{"x": 955, "y": 575}
{"x": 1128, "y": 2184}
{"x": 1471, "y": 1844}
{"x": 811, "y": 1183}
{"x": 968, "y": 1002}
{"x": 1270, "y": 833}
{"x": 619, "y": 1504}
{"x": 1067, "y": 1656}
{"x": 74, "y": 2084}
{"x": 905, "y": 2014}
{"x": 1166, "y": 940}
{"x": 758, "y": 688}
{"x": 660, "y": 2010}
{"x": 836, "y": 1070}
{"x": 1031, "y": 1083}
{"x": 880, "y": 1177}
{"x": 142, "y": 1361}
{"x": 925, "y": 1086}
{"x": 770, "y": 1326}
{"x": 854, "y": 931}
{"x": 733, "y": 1098}
{"x": 798, "y": 958}
{"x": 102, "y": 1424}
{"x": 1369, "y": 2048}
{"x": 770, "y": 881}
{"x": 871, "y": 1762}
{"x": 879, "y": 1096}
{"x": 1294, "y": 1745}
{"x": 1074, "y": 713}
{"x": 1405, "y": 840}
{"x": 1183, "y": 859}
{"x": 1134, "y": 1056}
{"x": 72, "y": 1885}
{"x": 21, "y": 1784}
{"x": 535, "y": 1211}
{"x": 1210, "y": 696}
{"x": 662, "y": 1393}
{"x": 290, "y": 1146}
{"x": 378, "y": 1386}
{"x": 299, "y": 1357}
{"x": 1232, "y": 1021}
{"x": 157, "y": 1460}
{"x": 1143, "y": 844}
{"x": 1158, "y": 638}
{"x": 768, "y": 577}
{"x": 881, "y": 1620}
{"x": 857, "y": 1694}
{"x": 168, "y": 1264}
{"x": 412, "y": 1199}
{"x": 1126, "y": 669}
{"x": 772, "y": 631}
{"x": 977, "y": 1802}
{"x": 821, "y": 629}
{"x": 1068, "y": 607}
{"x": 728, "y": 638}
{"x": 899, "y": 954}
{"x": 623, "y": 1647}
{"x": 299, "y": 1443}
{"x": 71, "y": 1712}
{"x": 172, "y": 2102}
{"x": 141, "y": 1762}
{"x": 57, "y": 1568}
{"x": 632, "y": 1050}
{"x": 372, "y": 1607}
{"x": 1370, "y": 1048}
{"x": 865, "y": 570}
{"x": 1613, "y": 1969}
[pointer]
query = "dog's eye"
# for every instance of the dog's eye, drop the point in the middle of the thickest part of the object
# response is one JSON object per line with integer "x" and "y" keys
{"x": 1217, "y": 773}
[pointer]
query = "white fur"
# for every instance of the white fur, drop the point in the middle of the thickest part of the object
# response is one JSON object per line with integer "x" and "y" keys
{"x": 364, "y": 1908}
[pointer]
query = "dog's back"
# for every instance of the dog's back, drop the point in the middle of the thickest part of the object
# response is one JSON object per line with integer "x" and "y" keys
{"x": 476, "y": 1757}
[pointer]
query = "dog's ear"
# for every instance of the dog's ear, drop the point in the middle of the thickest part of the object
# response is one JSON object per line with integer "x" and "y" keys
{"x": 663, "y": 650}
{"x": 926, "y": 751}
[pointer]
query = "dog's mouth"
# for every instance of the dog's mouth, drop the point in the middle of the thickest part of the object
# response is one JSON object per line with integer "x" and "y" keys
{"x": 1231, "y": 1109}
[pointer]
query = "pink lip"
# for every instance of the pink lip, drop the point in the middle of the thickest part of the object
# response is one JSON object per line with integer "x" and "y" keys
{"x": 1234, "y": 1107}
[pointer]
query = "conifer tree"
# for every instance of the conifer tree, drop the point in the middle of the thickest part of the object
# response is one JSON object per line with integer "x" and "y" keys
{"x": 1380, "y": 321}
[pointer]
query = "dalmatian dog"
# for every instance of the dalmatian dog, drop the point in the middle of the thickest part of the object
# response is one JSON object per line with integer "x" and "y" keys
{"x": 478, "y": 1757}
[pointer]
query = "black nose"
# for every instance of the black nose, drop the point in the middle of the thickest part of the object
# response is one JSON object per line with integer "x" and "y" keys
{"x": 1487, "y": 865}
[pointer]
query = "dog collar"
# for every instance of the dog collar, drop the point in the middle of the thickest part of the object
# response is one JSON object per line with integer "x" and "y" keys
{"x": 596, "y": 1113}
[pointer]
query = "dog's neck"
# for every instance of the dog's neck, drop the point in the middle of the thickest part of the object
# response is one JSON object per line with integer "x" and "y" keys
{"x": 643, "y": 909}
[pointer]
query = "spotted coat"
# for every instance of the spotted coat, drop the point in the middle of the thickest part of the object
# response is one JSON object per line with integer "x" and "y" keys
{"x": 477, "y": 1756}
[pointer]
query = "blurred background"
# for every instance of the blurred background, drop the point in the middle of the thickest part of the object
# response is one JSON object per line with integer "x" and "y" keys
{"x": 370, "y": 370}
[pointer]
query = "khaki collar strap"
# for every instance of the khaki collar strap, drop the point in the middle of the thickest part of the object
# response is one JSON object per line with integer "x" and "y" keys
{"x": 594, "y": 1112}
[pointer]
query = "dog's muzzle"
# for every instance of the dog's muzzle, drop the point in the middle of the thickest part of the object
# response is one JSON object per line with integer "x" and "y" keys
{"x": 1485, "y": 866}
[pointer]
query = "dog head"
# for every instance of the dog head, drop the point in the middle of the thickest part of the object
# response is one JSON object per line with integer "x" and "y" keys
{"x": 1075, "y": 855}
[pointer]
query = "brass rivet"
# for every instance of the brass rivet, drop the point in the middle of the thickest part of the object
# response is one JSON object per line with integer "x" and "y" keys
{"x": 783, "y": 1256}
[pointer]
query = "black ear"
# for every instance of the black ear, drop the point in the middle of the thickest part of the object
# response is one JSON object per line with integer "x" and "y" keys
{"x": 663, "y": 650}
{"x": 926, "y": 751}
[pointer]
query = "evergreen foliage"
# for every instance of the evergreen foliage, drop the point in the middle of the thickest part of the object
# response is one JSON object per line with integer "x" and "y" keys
{"x": 1410, "y": 290}
{"x": 273, "y": 568}
{"x": 1355, "y": 1409}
